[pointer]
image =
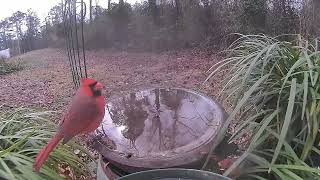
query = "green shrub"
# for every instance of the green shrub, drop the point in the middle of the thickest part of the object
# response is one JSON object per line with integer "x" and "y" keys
{"x": 275, "y": 89}
{"x": 23, "y": 132}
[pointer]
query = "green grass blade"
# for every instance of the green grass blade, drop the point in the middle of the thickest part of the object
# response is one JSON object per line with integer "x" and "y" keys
{"x": 291, "y": 174}
{"x": 262, "y": 129}
{"x": 298, "y": 167}
{"x": 309, "y": 143}
{"x": 305, "y": 94}
{"x": 310, "y": 65}
{"x": 224, "y": 128}
{"x": 287, "y": 121}
{"x": 253, "y": 143}
{"x": 7, "y": 169}
{"x": 257, "y": 177}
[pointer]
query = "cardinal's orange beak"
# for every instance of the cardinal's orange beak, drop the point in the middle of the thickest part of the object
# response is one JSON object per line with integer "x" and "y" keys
{"x": 99, "y": 86}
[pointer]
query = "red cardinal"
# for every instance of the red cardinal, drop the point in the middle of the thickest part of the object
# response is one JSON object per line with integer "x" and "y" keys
{"x": 83, "y": 116}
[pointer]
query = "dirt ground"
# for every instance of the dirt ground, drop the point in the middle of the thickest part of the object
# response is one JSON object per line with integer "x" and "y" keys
{"x": 45, "y": 81}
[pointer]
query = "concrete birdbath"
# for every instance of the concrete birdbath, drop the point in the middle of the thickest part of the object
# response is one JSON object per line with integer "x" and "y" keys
{"x": 157, "y": 128}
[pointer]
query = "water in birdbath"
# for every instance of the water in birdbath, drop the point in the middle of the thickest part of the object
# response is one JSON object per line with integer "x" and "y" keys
{"x": 158, "y": 128}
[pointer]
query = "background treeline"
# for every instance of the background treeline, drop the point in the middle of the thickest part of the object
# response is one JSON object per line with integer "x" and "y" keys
{"x": 164, "y": 24}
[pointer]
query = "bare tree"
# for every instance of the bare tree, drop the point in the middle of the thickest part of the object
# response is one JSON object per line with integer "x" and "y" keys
{"x": 4, "y": 28}
{"x": 32, "y": 33}
{"x": 56, "y": 14}
{"x": 109, "y": 5}
{"x": 316, "y": 17}
{"x": 179, "y": 21}
{"x": 16, "y": 20}
{"x": 153, "y": 9}
{"x": 90, "y": 9}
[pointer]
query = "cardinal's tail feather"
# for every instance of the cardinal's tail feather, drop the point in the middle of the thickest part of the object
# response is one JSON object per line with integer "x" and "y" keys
{"x": 45, "y": 151}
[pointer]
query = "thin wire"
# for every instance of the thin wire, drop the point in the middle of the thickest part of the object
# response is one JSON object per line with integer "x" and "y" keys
{"x": 68, "y": 44}
{"x": 82, "y": 36}
{"x": 72, "y": 45}
{"x": 72, "y": 39}
{"x": 76, "y": 37}
{"x": 72, "y": 51}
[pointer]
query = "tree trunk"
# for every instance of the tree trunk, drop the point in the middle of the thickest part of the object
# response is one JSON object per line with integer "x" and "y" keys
{"x": 109, "y": 5}
{"x": 5, "y": 39}
{"x": 207, "y": 16}
{"x": 316, "y": 18}
{"x": 18, "y": 37}
{"x": 178, "y": 14}
{"x": 154, "y": 11}
{"x": 96, "y": 10}
{"x": 90, "y": 9}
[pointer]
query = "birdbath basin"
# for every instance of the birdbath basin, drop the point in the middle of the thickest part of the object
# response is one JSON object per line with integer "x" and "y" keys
{"x": 158, "y": 128}
{"x": 174, "y": 174}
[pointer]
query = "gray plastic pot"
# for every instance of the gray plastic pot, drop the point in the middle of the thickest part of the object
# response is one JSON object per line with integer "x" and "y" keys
{"x": 174, "y": 174}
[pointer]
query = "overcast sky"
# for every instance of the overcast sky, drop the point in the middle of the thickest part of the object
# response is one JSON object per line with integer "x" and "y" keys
{"x": 42, "y": 7}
